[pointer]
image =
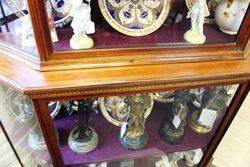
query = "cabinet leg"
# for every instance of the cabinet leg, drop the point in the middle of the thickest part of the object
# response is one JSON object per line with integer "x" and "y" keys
{"x": 48, "y": 129}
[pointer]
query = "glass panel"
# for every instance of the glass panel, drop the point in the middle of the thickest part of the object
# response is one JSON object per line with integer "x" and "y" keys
{"x": 18, "y": 118}
{"x": 16, "y": 29}
{"x": 7, "y": 156}
{"x": 122, "y": 24}
{"x": 174, "y": 127}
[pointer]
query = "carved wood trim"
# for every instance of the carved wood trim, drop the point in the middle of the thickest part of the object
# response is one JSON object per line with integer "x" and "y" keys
{"x": 98, "y": 91}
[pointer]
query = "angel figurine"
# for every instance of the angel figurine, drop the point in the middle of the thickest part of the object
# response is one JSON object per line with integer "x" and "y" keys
{"x": 135, "y": 135}
{"x": 197, "y": 14}
{"x": 81, "y": 24}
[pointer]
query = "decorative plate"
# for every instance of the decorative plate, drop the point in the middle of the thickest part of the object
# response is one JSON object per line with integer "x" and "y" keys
{"x": 116, "y": 108}
{"x": 211, "y": 4}
{"x": 135, "y": 17}
{"x": 164, "y": 97}
{"x": 15, "y": 6}
{"x": 61, "y": 12}
{"x": 60, "y": 9}
{"x": 21, "y": 106}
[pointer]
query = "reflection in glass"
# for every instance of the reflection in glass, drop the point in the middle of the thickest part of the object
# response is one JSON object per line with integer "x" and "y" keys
{"x": 18, "y": 118}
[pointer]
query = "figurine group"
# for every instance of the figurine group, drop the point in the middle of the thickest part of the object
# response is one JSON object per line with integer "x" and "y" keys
{"x": 82, "y": 24}
{"x": 133, "y": 134}
{"x": 228, "y": 15}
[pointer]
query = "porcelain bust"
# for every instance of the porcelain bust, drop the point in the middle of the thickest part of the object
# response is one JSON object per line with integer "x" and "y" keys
{"x": 81, "y": 24}
{"x": 197, "y": 14}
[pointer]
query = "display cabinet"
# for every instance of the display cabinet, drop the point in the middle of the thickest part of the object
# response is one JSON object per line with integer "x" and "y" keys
{"x": 121, "y": 83}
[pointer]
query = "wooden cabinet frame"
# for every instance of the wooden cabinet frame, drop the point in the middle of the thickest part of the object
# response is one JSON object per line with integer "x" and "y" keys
{"x": 43, "y": 87}
{"x": 77, "y": 74}
{"x": 49, "y": 133}
{"x": 96, "y": 58}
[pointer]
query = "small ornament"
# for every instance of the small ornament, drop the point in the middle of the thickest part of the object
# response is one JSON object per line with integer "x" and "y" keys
{"x": 193, "y": 157}
{"x": 163, "y": 162}
{"x": 175, "y": 157}
{"x": 81, "y": 24}
{"x": 51, "y": 23}
{"x": 135, "y": 135}
{"x": 173, "y": 130}
{"x": 83, "y": 138}
{"x": 197, "y": 14}
{"x": 211, "y": 4}
{"x": 28, "y": 38}
{"x": 103, "y": 164}
{"x": 208, "y": 99}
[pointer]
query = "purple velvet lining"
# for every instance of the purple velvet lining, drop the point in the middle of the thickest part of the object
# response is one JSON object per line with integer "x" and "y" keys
{"x": 110, "y": 149}
{"x": 105, "y": 37}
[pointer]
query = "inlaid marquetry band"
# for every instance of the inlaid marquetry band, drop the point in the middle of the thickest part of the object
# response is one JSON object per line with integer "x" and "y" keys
{"x": 78, "y": 91}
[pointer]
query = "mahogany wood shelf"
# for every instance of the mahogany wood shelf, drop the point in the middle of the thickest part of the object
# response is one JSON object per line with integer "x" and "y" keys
{"x": 107, "y": 81}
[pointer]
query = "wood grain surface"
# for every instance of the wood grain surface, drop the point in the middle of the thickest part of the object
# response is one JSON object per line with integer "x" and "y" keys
{"x": 106, "y": 81}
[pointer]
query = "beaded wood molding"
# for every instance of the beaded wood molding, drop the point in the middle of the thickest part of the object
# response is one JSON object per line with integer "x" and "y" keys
{"x": 128, "y": 89}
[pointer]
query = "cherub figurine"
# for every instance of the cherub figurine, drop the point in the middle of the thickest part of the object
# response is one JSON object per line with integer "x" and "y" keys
{"x": 197, "y": 14}
{"x": 81, "y": 24}
{"x": 135, "y": 136}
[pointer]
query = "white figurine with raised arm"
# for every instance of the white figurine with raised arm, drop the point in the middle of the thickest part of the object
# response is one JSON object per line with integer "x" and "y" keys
{"x": 81, "y": 24}
{"x": 197, "y": 14}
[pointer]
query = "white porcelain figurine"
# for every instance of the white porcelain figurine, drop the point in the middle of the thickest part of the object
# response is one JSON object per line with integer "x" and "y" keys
{"x": 81, "y": 24}
{"x": 197, "y": 14}
{"x": 193, "y": 157}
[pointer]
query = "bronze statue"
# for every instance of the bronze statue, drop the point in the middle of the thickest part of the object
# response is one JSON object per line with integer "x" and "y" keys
{"x": 135, "y": 136}
{"x": 209, "y": 96}
{"x": 173, "y": 130}
{"x": 83, "y": 138}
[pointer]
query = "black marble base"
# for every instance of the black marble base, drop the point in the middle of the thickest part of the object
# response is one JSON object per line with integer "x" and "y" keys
{"x": 134, "y": 143}
{"x": 170, "y": 135}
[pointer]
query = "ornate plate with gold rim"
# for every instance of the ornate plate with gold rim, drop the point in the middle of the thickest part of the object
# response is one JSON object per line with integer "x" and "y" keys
{"x": 135, "y": 17}
{"x": 116, "y": 108}
{"x": 211, "y": 4}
